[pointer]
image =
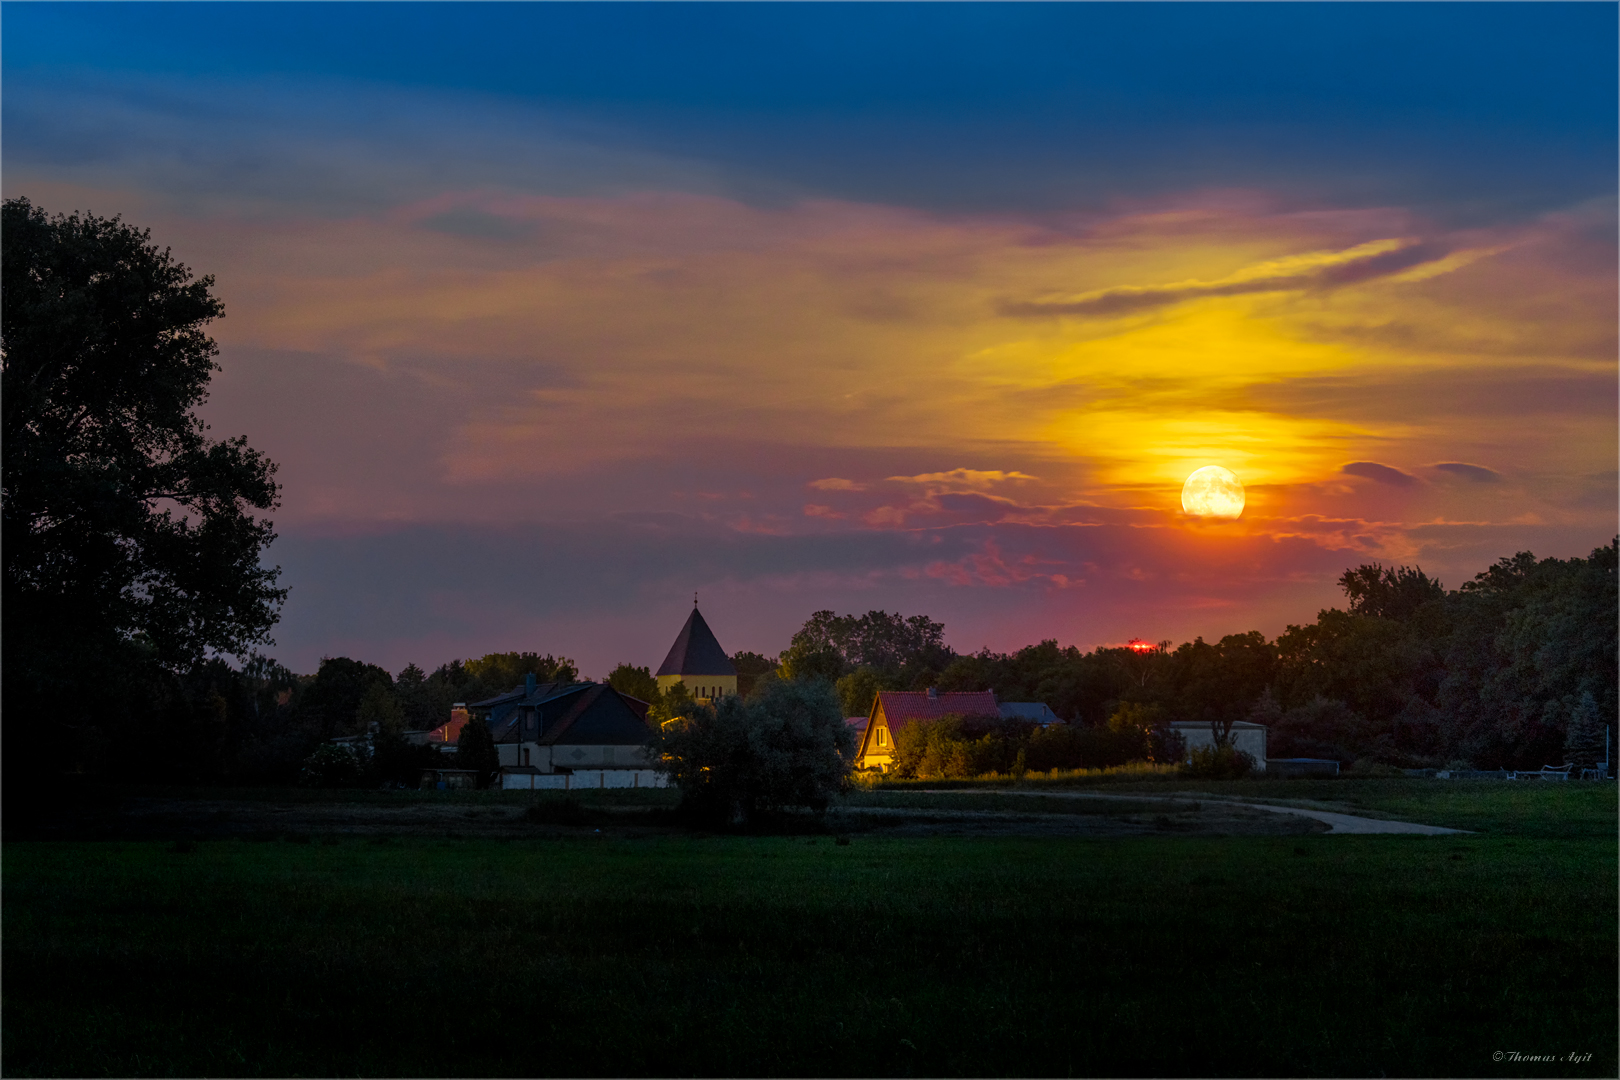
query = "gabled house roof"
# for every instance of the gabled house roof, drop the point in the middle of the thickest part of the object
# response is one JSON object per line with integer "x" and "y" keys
{"x": 901, "y": 707}
{"x": 583, "y": 713}
{"x": 450, "y": 732}
{"x": 696, "y": 651}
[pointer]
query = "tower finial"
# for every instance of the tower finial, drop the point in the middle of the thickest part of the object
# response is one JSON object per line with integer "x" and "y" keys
{"x": 694, "y": 598}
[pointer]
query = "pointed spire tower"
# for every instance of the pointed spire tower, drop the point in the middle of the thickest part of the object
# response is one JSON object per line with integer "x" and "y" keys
{"x": 697, "y": 660}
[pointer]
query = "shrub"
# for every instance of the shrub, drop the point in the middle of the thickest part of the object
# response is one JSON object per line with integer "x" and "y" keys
{"x": 395, "y": 760}
{"x": 787, "y": 746}
{"x": 1218, "y": 763}
{"x": 958, "y": 747}
{"x": 1075, "y": 746}
{"x": 331, "y": 765}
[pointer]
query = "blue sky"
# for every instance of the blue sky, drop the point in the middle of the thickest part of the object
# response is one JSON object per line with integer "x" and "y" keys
{"x": 555, "y": 313}
{"x": 955, "y": 105}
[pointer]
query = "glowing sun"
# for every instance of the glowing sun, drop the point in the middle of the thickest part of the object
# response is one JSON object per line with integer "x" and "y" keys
{"x": 1212, "y": 492}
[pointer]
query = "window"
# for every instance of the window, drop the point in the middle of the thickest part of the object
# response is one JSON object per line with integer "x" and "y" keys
{"x": 881, "y": 733}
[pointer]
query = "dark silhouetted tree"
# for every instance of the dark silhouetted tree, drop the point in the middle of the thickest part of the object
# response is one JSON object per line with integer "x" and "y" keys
{"x": 475, "y": 750}
{"x": 788, "y": 746}
{"x": 132, "y": 550}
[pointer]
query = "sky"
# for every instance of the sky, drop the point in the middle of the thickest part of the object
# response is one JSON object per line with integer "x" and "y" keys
{"x": 555, "y": 315}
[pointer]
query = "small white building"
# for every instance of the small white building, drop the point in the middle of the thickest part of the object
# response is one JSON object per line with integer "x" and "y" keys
{"x": 1246, "y": 736}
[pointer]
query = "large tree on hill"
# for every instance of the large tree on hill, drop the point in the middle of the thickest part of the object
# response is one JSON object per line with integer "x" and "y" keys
{"x": 131, "y": 544}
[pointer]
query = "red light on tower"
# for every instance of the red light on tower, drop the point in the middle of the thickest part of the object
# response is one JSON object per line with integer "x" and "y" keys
{"x": 1138, "y": 646}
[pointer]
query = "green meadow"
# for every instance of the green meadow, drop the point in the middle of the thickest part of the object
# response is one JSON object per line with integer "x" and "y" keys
{"x": 665, "y": 952}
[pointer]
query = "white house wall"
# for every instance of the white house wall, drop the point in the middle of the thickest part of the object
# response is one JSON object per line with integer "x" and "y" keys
{"x": 584, "y": 756}
{"x": 1251, "y": 741}
{"x": 584, "y": 779}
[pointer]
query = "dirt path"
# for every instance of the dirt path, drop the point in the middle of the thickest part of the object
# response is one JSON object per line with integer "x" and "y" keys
{"x": 1336, "y": 822}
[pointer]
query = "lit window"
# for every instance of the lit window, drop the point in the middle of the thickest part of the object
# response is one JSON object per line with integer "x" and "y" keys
{"x": 880, "y": 736}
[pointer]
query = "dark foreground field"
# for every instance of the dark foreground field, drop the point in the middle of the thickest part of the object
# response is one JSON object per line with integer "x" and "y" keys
{"x": 547, "y": 947}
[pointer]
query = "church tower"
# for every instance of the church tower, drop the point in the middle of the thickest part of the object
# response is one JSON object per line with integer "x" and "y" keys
{"x": 697, "y": 660}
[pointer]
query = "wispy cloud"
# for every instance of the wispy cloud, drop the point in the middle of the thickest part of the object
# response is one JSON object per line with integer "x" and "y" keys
{"x": 1399, "y": 259}
{"x": 977, "y": 479}
{"x": 1383, "y": 474}
{"x": 1479, "y": 474}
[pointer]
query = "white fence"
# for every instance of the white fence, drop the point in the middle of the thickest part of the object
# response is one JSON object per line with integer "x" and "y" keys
{"x": 582, "y": 779}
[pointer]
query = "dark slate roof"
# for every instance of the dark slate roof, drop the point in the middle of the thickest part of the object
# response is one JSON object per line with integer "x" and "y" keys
{"x": 1028, "y": 710}
{"x": 585, "y": 713}
{"x": 696, "y": 652}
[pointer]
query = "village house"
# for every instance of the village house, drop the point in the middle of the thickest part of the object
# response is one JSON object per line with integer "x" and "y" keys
{"x": 893, "y": 710}
{"x": 554, "y": 734}
{"x": 697, "y": 661}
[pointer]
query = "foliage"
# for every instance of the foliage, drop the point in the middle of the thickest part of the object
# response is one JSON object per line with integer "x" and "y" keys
{"x": 858, "y": 689}
{"x": 331, "y": 765}
{"x": 331, "y": 703}
{"x": 1583, "y": 745}
{"x": 420, "y": 708}
{"x": 805, "y": 664}
{"x": 476, "y": 750}
{"x": 1389, "y": 592}
{"x": 910, "y": 651}
{"x": 1218, "y": 763}
{"x": 670, "y": 705}
{"x": 1322, "y": 728}
{"x": 637, "y": 682}
{"x": 396, "y": 760}
{"x": 751, "y": 668}
{"x": 132, "y": 550}
{"x": 499, "y": 672}
{"x": 787, "y": 746}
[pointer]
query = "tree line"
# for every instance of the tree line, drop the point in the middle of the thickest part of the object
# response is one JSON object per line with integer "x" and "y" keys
{"x": 133, "y": 547}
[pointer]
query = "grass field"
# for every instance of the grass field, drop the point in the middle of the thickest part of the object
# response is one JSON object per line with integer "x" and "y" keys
{"x": 674, "y": 953}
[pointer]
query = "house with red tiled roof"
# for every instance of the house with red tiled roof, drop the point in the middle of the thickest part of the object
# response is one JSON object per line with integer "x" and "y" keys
{"x": 894, "y": 710}
{"x": 446, "y": 735}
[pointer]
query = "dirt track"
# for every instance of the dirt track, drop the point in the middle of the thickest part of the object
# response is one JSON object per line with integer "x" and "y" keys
{"x": 138, "y": 818}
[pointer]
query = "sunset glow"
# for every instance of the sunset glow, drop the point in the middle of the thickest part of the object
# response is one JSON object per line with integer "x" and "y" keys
{"x": 541, "y": 350}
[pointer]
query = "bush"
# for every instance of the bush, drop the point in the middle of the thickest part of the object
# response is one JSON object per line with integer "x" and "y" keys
{"x": 1218, "y": 763}
{"x": 787, "y": 746}
{"x": 395, "y": 760}
{"x": 331, "y": 765}
{"x": 958, "y": 747}
{"x": 1075, "y": 746}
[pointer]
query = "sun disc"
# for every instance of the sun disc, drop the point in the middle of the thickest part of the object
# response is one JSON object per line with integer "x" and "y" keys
{"x": 1213, "y": 492}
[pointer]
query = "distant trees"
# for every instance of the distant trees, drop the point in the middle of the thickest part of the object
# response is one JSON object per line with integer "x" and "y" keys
{"x": 751, "y": 668}
{"x": 1494, "y": 673}
{"x": 638, "y": 682}
{"x": 861, "y": 655}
